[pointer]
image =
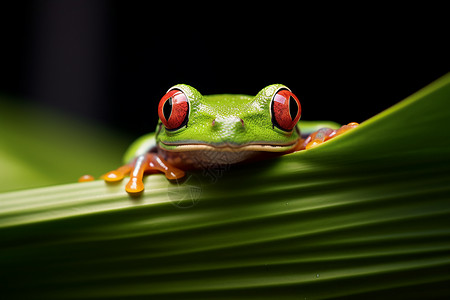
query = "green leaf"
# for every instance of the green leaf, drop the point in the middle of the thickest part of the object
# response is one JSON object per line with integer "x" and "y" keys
{"x": 366, "y": 215}
{"x": 39, "y": 148}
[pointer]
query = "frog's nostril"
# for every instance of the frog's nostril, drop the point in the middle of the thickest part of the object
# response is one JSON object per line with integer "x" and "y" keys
{"x": 213, "y": 122}
{"x": 242, "y": 122}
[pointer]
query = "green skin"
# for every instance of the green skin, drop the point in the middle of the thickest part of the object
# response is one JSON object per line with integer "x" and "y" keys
{"x": 237, "y": 126}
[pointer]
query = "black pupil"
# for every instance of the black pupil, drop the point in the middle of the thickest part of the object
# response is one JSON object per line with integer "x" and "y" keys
{"x": 293, "y": 107}
{"x": 167, "y": 108}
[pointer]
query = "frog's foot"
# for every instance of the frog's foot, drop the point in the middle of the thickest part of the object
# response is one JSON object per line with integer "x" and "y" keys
{"x": 149, "y": 162}
{"x": 324, "y": 134}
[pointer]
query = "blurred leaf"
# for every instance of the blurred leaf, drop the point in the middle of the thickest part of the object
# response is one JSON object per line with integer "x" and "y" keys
{"x": 366, "y": 215}
{"x": 39, "y": 148}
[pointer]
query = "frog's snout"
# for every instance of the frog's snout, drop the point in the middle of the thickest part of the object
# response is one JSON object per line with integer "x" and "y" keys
{"x": 229, "y": 122}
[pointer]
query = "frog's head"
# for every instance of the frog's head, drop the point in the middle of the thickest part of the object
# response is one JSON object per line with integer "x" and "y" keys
{"x": 266, "y": 122}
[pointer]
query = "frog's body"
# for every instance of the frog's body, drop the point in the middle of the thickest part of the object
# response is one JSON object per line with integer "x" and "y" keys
{"x": 196, "y": 131}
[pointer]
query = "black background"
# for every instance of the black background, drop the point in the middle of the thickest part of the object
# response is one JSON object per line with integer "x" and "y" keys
{"x": 111, "y": 61}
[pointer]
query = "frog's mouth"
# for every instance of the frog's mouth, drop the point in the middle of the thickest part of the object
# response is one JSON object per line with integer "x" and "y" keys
{"x": 228, "y": 147}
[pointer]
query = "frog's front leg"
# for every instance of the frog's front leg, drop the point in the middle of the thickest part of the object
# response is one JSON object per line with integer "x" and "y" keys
{"x": 324, "y": 134}
{"x": 149, "y": 162}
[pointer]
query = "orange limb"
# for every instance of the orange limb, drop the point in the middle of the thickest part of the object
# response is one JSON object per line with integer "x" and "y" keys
{"x": 149, "y": 162}
{"x": 157, "y": 163}
{"x": 135, "y": 184}
{"x": 324, "y": 134}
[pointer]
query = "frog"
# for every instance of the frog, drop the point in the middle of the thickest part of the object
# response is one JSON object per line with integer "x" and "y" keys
{"x": 196, "y": 131}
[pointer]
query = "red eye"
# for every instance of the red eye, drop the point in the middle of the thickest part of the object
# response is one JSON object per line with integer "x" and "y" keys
{"x": 286, "y": 110}
{"x": 173, "y": 110}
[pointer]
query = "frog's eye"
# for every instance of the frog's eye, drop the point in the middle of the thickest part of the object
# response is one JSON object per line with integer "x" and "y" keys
{"x": 285, "y": 109}
{"x": 173, "y": 109}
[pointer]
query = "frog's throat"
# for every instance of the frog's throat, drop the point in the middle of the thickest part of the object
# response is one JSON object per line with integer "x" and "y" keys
{"x": 227, "y": 147}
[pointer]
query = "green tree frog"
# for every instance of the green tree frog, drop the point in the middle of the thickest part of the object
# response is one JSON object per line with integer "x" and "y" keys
{"x": 192, "y": 128}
